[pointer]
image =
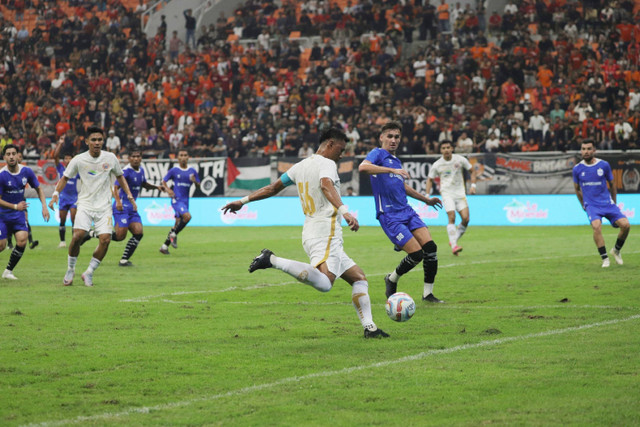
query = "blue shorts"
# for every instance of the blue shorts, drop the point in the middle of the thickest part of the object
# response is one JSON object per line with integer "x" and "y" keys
{"x": 12, "y": 222}
{"x": 180, "y": 208}
{"x": 399, "y": 225}
{"x": 125, "y": 217}
{"x": 67, "y": 203}
{"x": 611, "y": 212}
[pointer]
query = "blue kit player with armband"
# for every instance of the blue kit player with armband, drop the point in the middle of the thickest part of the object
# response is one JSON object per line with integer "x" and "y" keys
{"x": 182, "y": 176}
{"x": 596, "y": 191}
{"x": 13, "y": 179}
{"x": 398, "y": 219}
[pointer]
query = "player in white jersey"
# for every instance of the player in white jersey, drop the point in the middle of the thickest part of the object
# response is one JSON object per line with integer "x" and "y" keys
{"x": 449, "y": 169}
{"x": 97, "y": 170}
{"x": 318, "y": 184}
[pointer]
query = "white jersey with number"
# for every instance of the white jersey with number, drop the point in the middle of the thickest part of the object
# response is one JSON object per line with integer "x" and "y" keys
{"x": 97, "y": 175}
{"x": 450, "y": 173}
{"x": 321, "y": 217}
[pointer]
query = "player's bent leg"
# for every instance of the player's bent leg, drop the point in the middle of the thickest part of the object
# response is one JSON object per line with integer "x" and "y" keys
{"x": 98, "y": 256}
{"x": 598, "y": 238}
{"x": 303, "y": 272}
{"x": 411, "y": 247}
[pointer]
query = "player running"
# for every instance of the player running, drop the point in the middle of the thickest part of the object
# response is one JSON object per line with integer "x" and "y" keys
{"x": 96, "y": 168}
{"x": 126, "y": 217}
{"x": 449, "y": 169}
{"x": 590, "y": 179}
{"x": 318, "y": 184}
{"x": 13, "y": 179}
{"x": 182, "y": 176}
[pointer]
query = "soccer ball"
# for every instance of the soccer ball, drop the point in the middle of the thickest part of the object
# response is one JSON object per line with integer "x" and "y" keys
{"x": 400, "y": 307}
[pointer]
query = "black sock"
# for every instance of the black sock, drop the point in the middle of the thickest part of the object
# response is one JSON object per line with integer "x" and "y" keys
{"x": 603, "y": 252}
{"x": 430, "y": 261}
{"x": 16, "y": 254}
{"x": 180, "y": 226}
{"x": 132, "y": 244}
{"x": 619, "y": 244}
{"x": 168, "y": 240}
{"x": 62, "y": 230}
{"x": 408, "y": 262}
{"x": 113, "y": 236}
{"x": 30, "y": 236}
{"x": 10, "y": 240}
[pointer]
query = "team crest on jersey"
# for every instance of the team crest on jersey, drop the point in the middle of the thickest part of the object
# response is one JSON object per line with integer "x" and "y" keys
{"x": 600, "y": 172}
{"x": 105, "y": 166}
{"x": 24, "y": 180}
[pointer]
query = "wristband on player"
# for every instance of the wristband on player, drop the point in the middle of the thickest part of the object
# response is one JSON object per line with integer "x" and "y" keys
{"x": 343, "y": 210}
{"x": 15, "y": 207}
{"x": 55, "y": 193}
{"x": 473, "y": 185}
{"x": 244, "y": 200}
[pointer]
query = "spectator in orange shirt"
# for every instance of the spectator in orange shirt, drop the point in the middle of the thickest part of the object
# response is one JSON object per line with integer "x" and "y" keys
{"x": 545, "y": 76}
{"x": 443, "y": 17}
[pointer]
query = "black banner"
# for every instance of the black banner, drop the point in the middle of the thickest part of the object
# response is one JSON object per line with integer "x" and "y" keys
{"x": 211, "y": 174}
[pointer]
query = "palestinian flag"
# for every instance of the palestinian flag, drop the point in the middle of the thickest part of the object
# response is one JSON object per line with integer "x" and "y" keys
{"x": 248, "y": 173}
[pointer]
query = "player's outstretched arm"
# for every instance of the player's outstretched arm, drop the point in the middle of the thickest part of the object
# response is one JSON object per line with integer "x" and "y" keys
{"x": 165, "y": 187}
{"x": 367, "y": 167}
{"x": 474, "y": 178}
{"x": 56, "y": 192}
{"x": 431, "y": 201}
{"x": 263, "y": 193}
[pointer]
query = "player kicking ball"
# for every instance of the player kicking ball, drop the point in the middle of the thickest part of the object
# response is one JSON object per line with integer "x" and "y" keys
{"x": 318, "y": 184}
{"x": 590, "y": 180}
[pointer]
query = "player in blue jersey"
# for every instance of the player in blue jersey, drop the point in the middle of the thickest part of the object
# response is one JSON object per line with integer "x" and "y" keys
{"x": 398, "y": 219}
{"x": 127, "y": 218}
{"x": 13, "y": 179}
{"x": 32, "y": 243}
{"x": 68, "y": 196}
{"x": 590, "y": 179}
{"x": 182, "y": 176}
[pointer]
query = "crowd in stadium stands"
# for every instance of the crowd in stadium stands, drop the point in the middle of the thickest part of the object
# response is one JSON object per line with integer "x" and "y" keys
{"x": 540, "y": 76}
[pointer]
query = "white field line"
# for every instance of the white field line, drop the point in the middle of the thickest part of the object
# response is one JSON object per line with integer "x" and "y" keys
{"x": 324, "y": 374}
{"x": 148, "y": 298}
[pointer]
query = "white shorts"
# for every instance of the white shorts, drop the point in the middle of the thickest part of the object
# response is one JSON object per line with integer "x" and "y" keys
{"x": 333, "y": 254}
{"x": 454, "y": 203}
{"x": 103, "y": 221}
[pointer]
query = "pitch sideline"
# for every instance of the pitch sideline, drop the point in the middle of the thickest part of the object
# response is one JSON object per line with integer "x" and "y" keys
{"x": 297, "y": 379}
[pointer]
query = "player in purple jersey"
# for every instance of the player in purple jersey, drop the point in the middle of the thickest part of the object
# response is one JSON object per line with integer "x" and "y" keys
{"x": 32, "y": 243}
{"x": 398, "y": 219}
{"x": 182, "y": 176}
{"x": 68, "y": 196}
{"x": 13, "y": 179}
{"x": 590, "y": 179}
{"x": 127, "y": 218}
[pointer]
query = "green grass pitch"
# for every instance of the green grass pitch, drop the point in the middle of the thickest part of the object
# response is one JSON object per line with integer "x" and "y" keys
{"x": 533, "y": 332}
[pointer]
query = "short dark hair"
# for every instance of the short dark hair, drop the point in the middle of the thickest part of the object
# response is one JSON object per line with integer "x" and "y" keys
{"x": 95, "y": 129}
{"x": 183, "y": 149}
{"x": 333, "y": 133}
{"x": 135, "y": 149}
{"x": 392, "y": 125}
{"x": 6, "y": 147}
{"x": 588, "y": 141}
{"x": 446, "y": 141}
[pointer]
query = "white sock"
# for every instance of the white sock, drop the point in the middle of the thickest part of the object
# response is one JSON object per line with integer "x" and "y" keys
{"x": 428, "y": 289}
{"x": 394, "y": 277}
{"x": 302, "y": 272}
{"x": 71, "y": 262}
{"x": 452, "y": 232}
{"x": 93, "y": 264}
{"x": 461, "y": 230}
{"x": 362, "y": 304}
